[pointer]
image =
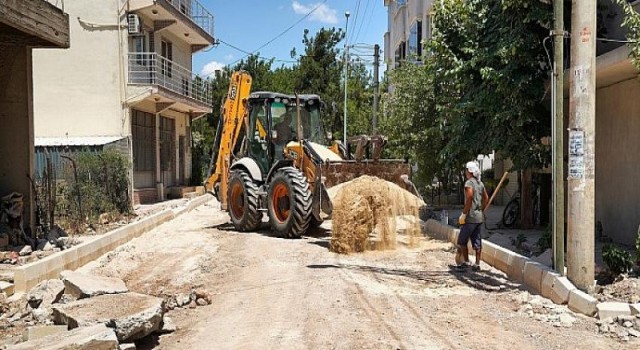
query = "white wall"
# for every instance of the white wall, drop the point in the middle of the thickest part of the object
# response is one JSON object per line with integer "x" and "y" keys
{"x": 77, "y": 92}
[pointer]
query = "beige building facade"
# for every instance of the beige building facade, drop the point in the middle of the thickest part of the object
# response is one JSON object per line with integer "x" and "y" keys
{"x": 130, "y": 79}
{"x": 409, "y": 24}
{"x": 24, "y": 26}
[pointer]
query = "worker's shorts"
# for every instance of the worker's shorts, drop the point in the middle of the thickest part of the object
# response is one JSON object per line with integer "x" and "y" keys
{"x": 470, "y": 231}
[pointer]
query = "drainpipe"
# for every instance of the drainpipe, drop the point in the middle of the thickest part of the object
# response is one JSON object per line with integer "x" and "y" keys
{"x": 159, "y": 184}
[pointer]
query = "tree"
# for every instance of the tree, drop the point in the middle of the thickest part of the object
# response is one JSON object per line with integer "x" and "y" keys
{"x": 482, "y": 85}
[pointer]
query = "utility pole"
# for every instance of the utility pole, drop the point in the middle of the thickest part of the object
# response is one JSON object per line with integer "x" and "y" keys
{"x": 581, "y": 180}
{"x": 376, "y": 87}
{"x": 346, "y": 72}
{"x": 558, "y": 138}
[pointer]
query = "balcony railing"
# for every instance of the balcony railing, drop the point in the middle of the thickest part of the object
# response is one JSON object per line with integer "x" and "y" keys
{"x": 57, "y": 3}
{"x": 196, "y": 12}
{"x": 149, "y": 68}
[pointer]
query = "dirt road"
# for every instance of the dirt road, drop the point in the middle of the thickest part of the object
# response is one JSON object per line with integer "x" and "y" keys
{"x": 271, "y": 293}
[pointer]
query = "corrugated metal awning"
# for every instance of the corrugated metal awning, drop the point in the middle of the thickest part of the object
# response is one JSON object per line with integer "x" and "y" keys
{"x": 75, "y": 141}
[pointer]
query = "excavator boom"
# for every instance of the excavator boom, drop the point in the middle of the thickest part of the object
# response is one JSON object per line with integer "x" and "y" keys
{"x": 233, "y": 119}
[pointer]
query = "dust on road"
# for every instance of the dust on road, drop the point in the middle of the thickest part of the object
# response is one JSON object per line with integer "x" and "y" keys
{"x": 272, "y": 293}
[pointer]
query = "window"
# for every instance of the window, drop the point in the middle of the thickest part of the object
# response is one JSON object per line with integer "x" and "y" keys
{"x": 167, "y": 58}
{"x": 143, "y": 133}
{"x": 167, "y": 143}
{"x": 415, "y": 41}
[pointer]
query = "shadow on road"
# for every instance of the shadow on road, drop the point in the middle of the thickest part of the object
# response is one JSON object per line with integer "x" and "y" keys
{"x": 484, "y": 280}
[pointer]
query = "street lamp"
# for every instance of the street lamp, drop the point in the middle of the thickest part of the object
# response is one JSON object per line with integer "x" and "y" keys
{"x": 346, "y": 65}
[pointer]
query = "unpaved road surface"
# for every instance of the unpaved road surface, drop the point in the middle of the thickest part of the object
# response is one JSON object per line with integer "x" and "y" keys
{"x": 272, "y": 293}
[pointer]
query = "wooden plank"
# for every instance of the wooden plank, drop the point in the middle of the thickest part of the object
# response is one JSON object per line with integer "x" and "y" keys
{"x": 39, "y": 19}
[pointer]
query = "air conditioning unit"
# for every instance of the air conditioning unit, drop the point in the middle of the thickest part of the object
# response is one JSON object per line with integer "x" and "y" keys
{"x": 134, "y": 25}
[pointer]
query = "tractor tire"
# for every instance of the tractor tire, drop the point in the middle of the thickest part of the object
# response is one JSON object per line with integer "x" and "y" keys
{"x": 242, "y": 202}
{"x": 289, "y": 203}
{"x": 314, "y": 223}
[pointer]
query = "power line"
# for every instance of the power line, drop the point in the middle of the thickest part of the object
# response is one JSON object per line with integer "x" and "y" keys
{"x": 363, "y": 19}
{"x": 373, "y": 9}
{"x": 251, "y": 54}
{"x": 355, "y": 18}
{"x": 285, "y": 31}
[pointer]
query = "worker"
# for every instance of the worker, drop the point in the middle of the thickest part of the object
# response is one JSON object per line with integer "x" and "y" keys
{"x": 472, "y": 217}
{"x": 284, "y": 133}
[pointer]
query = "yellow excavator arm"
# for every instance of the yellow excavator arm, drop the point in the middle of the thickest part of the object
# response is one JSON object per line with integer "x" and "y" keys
{"x": 232, "y": 119}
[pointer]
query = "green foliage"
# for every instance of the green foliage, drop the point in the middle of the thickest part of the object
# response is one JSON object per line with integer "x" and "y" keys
{"x": 638, "y": 246}
{"x": 631, "y": 21}
{"x": 546, "y": 240}
{"x": 618, "y": 261}
{"x": 481, "y": 87}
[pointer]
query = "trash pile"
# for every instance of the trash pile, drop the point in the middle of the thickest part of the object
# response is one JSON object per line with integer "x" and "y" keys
{"x": 17, "y": 246}
{"x": 366, "y": 214}
{"x": 87, "y": 309}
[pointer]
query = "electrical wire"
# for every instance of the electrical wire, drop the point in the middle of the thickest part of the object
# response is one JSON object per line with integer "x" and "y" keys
{"x": 283, "y": 32}
{"x": 251, "y": 54}
{"x": 362, "y": 20}
{"x": 355, "y": 18}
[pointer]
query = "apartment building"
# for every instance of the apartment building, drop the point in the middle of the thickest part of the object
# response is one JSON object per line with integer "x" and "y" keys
{"x": 127, "y": 81}
{"x": 617, "y": 133}
{"x": 24, "y": 25}
{"x": 409, "y": 23}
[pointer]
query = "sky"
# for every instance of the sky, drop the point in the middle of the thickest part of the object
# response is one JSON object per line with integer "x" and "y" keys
{"x": 250, "y": 24}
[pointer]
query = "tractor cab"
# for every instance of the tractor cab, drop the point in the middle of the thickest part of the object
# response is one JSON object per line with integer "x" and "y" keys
{"x": 273, "y": 123}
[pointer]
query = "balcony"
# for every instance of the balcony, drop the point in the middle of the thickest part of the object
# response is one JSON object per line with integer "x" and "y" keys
{"x": 178, "y": 83}
{"x": 187, "y": 19}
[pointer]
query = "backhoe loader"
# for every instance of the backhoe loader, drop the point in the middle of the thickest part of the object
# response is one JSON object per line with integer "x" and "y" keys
{"x": 271, "y": 155}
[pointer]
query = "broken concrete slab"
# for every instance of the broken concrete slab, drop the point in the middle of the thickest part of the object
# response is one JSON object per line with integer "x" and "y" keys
{"x": 85, "y": 286}
{"x": 582, "y": 302}
{"x": 37, "y": 332}
{"x": 613, "y": 309}
{"x": 95, "y": 337}
{"x": 132, "y": 315}
{"x": 45, "y": 293}
{"x": 167, "y": 326}
{"x": 127, "y": 346}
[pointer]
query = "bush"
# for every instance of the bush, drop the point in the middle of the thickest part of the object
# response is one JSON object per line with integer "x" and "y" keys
{"x": 638, "y": 247}
{"x": 618, "y": 261}
{"x": 546, "y": 240}
{"x": 102, "y": 185}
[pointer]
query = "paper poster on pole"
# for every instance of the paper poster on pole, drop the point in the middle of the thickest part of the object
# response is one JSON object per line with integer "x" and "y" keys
{"x": 576, "y": 154}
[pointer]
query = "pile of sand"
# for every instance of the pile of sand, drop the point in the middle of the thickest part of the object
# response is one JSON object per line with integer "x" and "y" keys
{"x": 365, "y": 215}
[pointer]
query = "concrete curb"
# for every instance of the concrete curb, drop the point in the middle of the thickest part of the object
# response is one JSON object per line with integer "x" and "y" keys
{"x": 537, "y": 277}
{"x": 28, "y": 276}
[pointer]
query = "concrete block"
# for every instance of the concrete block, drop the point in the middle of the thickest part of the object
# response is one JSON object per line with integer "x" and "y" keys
{"x": 85, "y": 286}
{"x": 132, "y": 315}
{"x": 7, "y": 288}
{"x": 556, "y": 287}
{"x": 635, "y": 309}
{"x": 582, "y": 302}
{"x": 38, "y": 332}
{"x": 533, "y": 273}
{"x": 95, "y": 337}
{"x": 488, "y": 252}
{"x": 516, "y": 269}
{"x": 613, "y": 309}
{"x": 502, "y": 258}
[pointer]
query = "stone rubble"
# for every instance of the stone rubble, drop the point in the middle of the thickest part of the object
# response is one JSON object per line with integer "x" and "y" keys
{"x": 544, "y": 310}
{"x": 625, "y": 328}
{"x": 85, "y": 286}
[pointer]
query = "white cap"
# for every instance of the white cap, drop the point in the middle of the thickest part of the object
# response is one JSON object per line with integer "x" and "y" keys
{"x": 473, "y": 168}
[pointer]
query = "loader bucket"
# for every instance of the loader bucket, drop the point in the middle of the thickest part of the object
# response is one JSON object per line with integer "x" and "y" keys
{"x": 396, "y": 171}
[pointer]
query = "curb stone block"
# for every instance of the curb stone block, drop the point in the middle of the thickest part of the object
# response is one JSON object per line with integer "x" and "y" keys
{"x": 635, "y": 309}
{"x": 488, "y": 252}
{"x": 38, "y": 332}
{"x": 556, "y": 287}
{"x": 582, "y": 302}
{"x": 533, "y": 273}
{"x": 516, "y": 269}
{"x": 97, "y": 337}
{"x": 613, "y": 309}
{"x": 502, "y": 259}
